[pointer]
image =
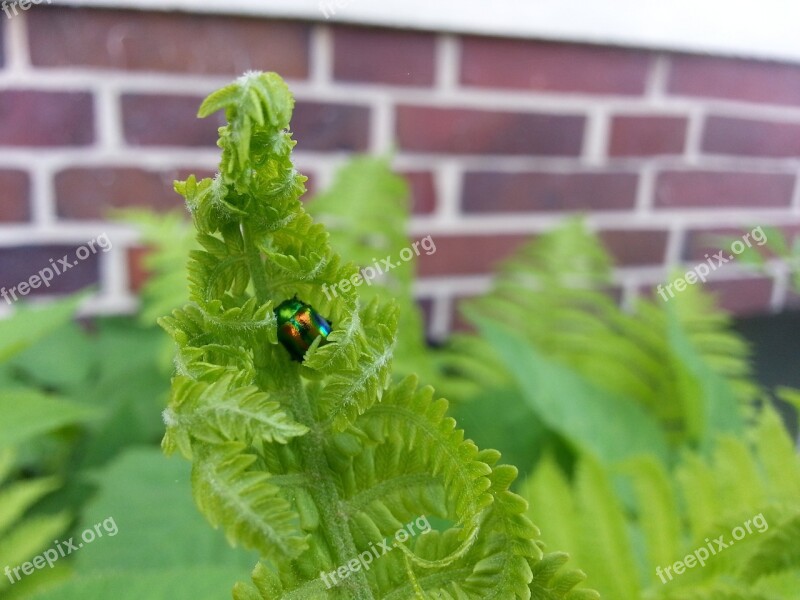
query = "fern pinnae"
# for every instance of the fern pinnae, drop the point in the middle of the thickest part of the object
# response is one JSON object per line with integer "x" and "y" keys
{"x": 263, "y": 520}
{"x": 312, "y": 461}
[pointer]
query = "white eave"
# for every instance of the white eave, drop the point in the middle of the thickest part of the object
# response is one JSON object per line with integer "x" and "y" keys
{"x": 764, "y": 29}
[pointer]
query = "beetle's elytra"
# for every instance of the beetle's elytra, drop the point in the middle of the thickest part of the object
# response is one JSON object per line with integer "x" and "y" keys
{"x": 299, "y": 324}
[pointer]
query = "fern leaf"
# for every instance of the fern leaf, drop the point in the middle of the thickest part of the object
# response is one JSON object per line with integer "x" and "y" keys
{"x": 29, "y": 537}
{"x": 244, "y": 502}
{"x": 312, "y": 462}
{"x": 605, "y": 529}
{"x": 219, "y": 412}
{"x": 17, "y": 498}
{"x": 659, "y": 516}
{"x": 777, "y": 551}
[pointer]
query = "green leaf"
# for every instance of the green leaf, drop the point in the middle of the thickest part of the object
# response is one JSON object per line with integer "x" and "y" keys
{"x": 502, "y": 419}
{"x": 29, "y": 413}
{"x": 147, "y": 496}
{"x": 31, "y": 537}
{"x": 310, "y": 461}
{"x": 17, "y": 498}
{"x": 552, "y": 504}
{"x": 62, "y": 360}
{"x": 220, "y": 412}
{"x": 244, "y": 502}
{"x": 719, "y": 411}
{"x": 573, "y": 407}
{"x": 208, "y": 582}
{"x": 604, "y": 529}
{"x": 659, "y": 517}
{"x": 31, "y": 324}
{"x": 777, "y": 551}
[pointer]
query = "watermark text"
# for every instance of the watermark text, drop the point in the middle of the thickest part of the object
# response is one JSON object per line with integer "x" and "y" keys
{"x": 367, "y": 274}
{"x": 10, "y": 6}
{"x": 701, "y": 555}
{"x": 713, "y": 262}
{"x": 61, "y": 550}
{"x": 57, "y": 267}
{"x": 364, "y": 560}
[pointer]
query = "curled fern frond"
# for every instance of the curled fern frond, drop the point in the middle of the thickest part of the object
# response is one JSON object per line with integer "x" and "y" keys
{"x": 313, "y": 462}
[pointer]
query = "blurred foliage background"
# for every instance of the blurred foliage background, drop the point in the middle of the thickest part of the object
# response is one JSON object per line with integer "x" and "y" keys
{"x": 638, "y": 434}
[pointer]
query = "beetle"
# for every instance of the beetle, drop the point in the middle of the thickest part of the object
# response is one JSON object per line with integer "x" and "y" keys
{"x": 299, "y": 324}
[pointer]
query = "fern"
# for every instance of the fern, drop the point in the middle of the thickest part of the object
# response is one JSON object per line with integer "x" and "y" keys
{"x": 23, "y": 536}
{"x": 310, "y": 462}
{"x": 168, "y": 241}
{"x": 366, "y": 212}
{"x": 613, "y": 386}
{"x": 27, "y": 415}
{"x": 553, "y": 293}
{"x": 672, "y": 514}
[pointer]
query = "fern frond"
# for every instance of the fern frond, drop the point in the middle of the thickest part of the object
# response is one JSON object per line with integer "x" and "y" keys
{"x": 658, "y": 515}
{"x": 220, "y": 412}
{"x": 256, "y": 104}
{"x": 353, "y": 391}
{"x": 366, "y": 212}
{"x": 244, "y": 502}
{"x": 552, "y": 291}
{"x": 169, "y": 239}
{"x": 17, "y": 498}
{"x": 778, "y": 550}
{"x": 310, "y": 461}
{"x": 673, "y": 512}
{"x": 431, "y": 444}
{"x": 560, "y": 584}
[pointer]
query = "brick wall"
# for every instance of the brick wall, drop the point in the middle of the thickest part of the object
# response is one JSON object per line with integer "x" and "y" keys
{"x": 500, "y": 139}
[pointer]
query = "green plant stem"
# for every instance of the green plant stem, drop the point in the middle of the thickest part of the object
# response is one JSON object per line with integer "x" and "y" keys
{"x": 326, "y": 497}
{"x": 255, "y": 265}
{"x": 324, "y": 493}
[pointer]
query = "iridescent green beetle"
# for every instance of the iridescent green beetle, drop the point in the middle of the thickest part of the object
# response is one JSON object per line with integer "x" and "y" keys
{"x": 299, "y": 325}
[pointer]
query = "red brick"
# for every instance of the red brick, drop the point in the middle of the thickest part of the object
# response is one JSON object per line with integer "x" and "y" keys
{"x": 480, "y": 254}
{"x": 423, "y": 191}
{"x": 159, "y": 120}
{"x": 171, "y": 42}
{"x": 704, "y": 242}
{"x": 719, "y": 189}
{"x": 459, "y": 323}
{"x": 89, "y": 193}
{"x": 749, "y": 137}
{"x": 468, "y": 254}
{"x": 137, "y": 272}
{"x": 18, "y": 264}
{"x": 743, "y": 296}
{"x": 383, "y": 56}
{"x": 648, "y": 135}
{"x": 745, "y": 80}
{"x": 15, "y": 186}
{"x": 36, "y": 118}
{"x": 331, "y": 127}
{"x": 487, "y": 192}
{"x": 631, "y": 248}
{"x": 466, "y": 131}
{"x": 552, "y": 67}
